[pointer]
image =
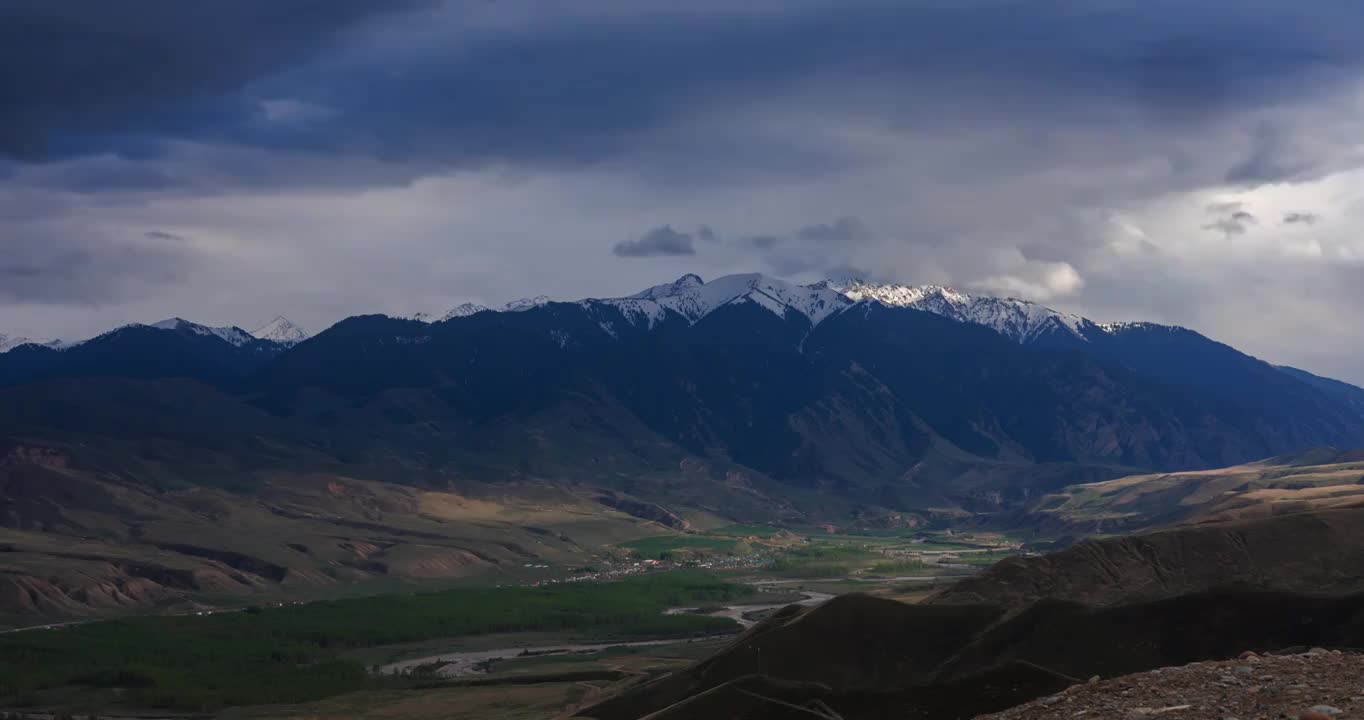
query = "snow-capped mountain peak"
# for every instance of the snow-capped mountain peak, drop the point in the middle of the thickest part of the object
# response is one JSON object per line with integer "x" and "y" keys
{"x": 9, "y": 342}
{"x": 281, "y": 330}
{"x": 526, "y": 303}
{"x": 677, "y": 287}
{"x": 1019, "y": 320}
{"x": 693, "y": 298}
{"x": 903, "y": 295}
{"x": 233, "y": 335}
{"x": 468, "y": 308}
{"x": 464, "y": 310}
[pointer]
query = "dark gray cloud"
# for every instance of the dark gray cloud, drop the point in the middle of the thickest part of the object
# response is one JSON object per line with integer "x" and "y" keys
{"x": 762, "y": 242}
{"x": 74, "y": 265}
{"x": 85, "y": 76}
{"x": 575, "y": 87}
{"x": 1274, "y": 156}
{"x": 1300, "y": 218}
{"x": 1236, "y": 223}
{"x": 661, "y": 241}
{"x": 1225, "y": 208}
{"x": 818, "y": 248}
{"x": 843, "y": 230}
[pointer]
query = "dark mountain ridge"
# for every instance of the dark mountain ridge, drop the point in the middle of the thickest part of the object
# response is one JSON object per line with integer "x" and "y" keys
{"x": 785, "y": 388}
{"x": 144, "y": 351}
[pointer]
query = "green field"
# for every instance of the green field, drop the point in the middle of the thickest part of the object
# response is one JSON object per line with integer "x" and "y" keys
{"x": 987, "y": 558}
{"x": 300, "y": 653}
{"x": 823, "y": 560}
{"x": 762, "y": 531}
{"x": 543, "y": 695}
{"x": 897, "y": 567}
{"x": 661, "y": 546}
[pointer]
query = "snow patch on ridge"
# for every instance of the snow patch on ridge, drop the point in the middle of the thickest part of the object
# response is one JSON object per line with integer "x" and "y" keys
{"x": 525, "y": 304}
{"x": 1019, "y": 320}
{"x": 464, "y": 310}
{"x": 693, "y": 298}
{"x": 234, "y": 335}
{"x": 9, "y": 342}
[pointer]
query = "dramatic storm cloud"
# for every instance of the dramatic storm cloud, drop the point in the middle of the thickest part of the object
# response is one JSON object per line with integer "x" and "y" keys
{"x": 659, "y": 241}
{"x": 1192, "y": 163}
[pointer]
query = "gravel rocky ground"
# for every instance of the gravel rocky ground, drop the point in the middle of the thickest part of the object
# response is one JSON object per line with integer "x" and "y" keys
{"x": 1315, "y": 685}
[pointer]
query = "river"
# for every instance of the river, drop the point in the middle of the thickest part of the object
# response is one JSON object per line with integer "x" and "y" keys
{"x": 456, "y": 664}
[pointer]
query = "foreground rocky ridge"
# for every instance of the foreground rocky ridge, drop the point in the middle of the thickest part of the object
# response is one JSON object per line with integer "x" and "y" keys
{"x": 864, "y": 658}
{"x": 1105, "y": 609}
{"x": 1315, "y": 685}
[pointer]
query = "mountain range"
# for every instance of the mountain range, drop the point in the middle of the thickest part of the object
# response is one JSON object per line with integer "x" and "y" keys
{"x": 875, "y": 392}
{"x": 171, "y": 458}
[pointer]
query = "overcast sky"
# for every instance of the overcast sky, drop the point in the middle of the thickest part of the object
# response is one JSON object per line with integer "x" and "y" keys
{"x": 1198, "y": 163}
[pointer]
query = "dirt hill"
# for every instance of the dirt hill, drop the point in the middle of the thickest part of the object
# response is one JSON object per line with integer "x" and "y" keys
{"x": 1316, "y": 479}
{"x": 79, "y": 541}
{"x": 863, "y": 657}
{"x": 1314, "y": 552}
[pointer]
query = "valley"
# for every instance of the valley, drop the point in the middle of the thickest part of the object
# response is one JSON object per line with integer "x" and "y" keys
{"x": 567, "y": 508}
{"x": 568, "y": 622}
{"x": 159, "y": 467}
{"x": 650, "y": 360}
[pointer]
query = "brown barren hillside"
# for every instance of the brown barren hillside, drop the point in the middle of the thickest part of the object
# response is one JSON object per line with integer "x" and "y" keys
{"x": 1315, "y": 479}
{"x": 1318, "y": 552}
{"x": 866, "y": 659}
{"x": 77, "y": 542}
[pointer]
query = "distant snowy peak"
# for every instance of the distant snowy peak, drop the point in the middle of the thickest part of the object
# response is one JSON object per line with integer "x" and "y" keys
{"x": 693, "y": 298}
{"x": 526, "y": 304}
{"x": 281, "y": 330}
{"x": 234, "y": 335}
{"x": 1018, "y": 320}
{"x": 467, "y": 309}
{"x": 9, "y": 342}
{"x": 464, "y": 310}
{"x": 473, "y": 308}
